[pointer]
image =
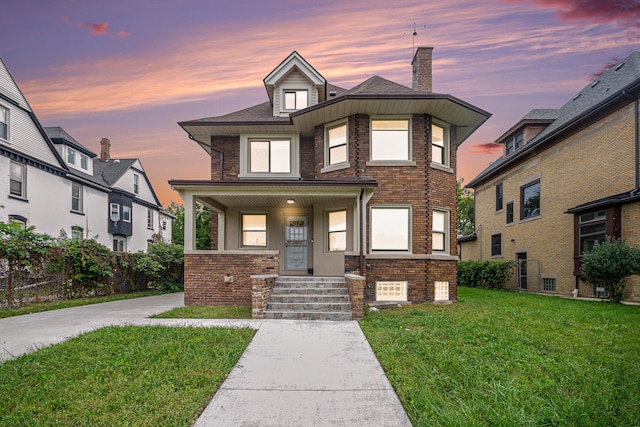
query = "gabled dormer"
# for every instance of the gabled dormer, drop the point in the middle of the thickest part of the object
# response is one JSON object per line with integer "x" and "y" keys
{"x": 75, "y": 155}
{"x": 527, "y": 129}
{"x": 294, "y": 85}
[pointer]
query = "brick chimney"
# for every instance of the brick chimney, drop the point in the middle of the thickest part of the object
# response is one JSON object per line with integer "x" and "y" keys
{"x": 422, "y": 69}
{"x": 105, "y": 145}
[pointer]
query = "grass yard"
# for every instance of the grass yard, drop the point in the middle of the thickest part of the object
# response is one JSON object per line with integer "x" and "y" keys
{"x": 116, "y": 376}
{"x": 46, "y": 306}
{"x": 505, "y": 358}
{"x": 207, "y": 312}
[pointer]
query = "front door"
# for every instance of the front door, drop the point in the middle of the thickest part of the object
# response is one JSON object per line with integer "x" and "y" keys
{"x": 296, "y": 245}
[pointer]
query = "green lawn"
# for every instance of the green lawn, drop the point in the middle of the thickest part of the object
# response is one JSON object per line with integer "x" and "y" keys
{"x": 207, "y": 312}
{"x": 117, "y": 376}
{"x": 46, "y": 306}
{"x": 505, "y": 358}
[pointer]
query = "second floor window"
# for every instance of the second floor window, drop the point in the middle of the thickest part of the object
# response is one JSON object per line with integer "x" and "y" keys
{"x": 126, "y": 213}
{"x": 76, "y": 197}
{"x": 270, "y": 156}
{"x": 440, "y": 144}
{"x": 17, "y": 180}
{"x": 499, "y": 197}
{"x": 336, "y": 138}
{"x": 530, "y": 200}
{"x": 149, "y": 218}
{"x": 114, "y": 212}
{"x": 390, "y": 139}
{"x": 4, "y": 123}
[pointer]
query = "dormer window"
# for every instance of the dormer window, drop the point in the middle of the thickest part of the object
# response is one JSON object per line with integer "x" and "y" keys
{"x": 84, "y": 162}
{"x": 295, "y": 99}
{"x": 71, "y": 156}
{"x": 514, "y": 143}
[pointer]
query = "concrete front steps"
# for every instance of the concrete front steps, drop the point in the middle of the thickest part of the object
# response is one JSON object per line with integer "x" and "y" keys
{"x": 309, "y": 298}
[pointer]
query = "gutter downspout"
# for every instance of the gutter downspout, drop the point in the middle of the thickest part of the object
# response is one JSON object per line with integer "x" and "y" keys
{"x": 361, "y": 209}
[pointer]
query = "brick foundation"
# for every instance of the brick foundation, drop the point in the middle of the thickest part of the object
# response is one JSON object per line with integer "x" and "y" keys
{"x": 355, "y": 285}
{"x": 205, "y": 273}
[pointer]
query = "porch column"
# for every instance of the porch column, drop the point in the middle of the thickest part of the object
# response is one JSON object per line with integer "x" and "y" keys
{"x": 189, "y": 222}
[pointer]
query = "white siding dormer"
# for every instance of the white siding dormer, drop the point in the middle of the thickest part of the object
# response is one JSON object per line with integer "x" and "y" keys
{"x": 297, "y": 85}
{"x": 76, "y": 159}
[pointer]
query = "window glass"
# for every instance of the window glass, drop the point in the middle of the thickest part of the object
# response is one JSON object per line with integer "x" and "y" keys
{"x": 496, "y": 245}
{"x": 391, "y": 291}
{"x": 76, "y": 232}
{"x": 338, "y": 231}
{"x": 270, "y": 156}
{"x": 390, "y": 140}
{"x": 4, "y": 122}
{"x": 254, "y": 230}
{"x": 510, "y": 213}
{"x": 592, "y": 229}
{"x": 76, "y": 197}
{"x": 71, "y": 156}
{"x": 149, "y": 218}
{"x": 126, "y": 213}
{"x": 119, "y": 244}
{"x": 115, "y": 212}
{"x": 16, "y": 179}
{"x": 390, "y": 229}
{"x": 337, "y": 141}
{"x": 136, "y": 183}
{"x": 499, "y": 191}
{"x": 439, "y": 241}
{"x": 530, "y": 200}
{"x": 295, "y": 99}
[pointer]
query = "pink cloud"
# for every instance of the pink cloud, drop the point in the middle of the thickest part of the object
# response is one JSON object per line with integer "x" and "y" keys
{"x": 123, "y": 33}
{"x": 486, "y": 148}
{"x": 97, "y": 29}
{"x": 626, "y": 12}
{"x": 606, "y": 67}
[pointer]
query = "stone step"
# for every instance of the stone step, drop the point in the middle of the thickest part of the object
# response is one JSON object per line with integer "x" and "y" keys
{"x": 295, "y": 298}
{"x": 309, "y": 315}
{"x": 305, "y": 285}
{"x": 308, "y": 306}
{"x": 309, "y": 291}
{"x": 310, "y": 279}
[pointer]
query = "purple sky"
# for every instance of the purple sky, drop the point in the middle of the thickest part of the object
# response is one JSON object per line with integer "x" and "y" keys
{"x": 129, "y": 70}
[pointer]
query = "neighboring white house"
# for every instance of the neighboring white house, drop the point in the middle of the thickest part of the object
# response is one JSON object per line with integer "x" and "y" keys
{"x": 50, "y": 181}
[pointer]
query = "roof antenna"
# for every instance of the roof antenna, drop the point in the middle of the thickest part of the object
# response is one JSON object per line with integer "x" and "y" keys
{"x": 413, "y": 39}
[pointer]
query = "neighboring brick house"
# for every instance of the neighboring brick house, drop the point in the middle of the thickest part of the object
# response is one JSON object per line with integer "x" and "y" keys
{"x": 323, "y": 181}
{"x": 568, "y": 178}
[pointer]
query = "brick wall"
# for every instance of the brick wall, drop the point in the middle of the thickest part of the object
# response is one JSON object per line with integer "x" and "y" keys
{"x": 230, "y": 145}
{"x": 205, "y": 271}
{"x": 261, "y": 294}
{"x": 355, "y": 285}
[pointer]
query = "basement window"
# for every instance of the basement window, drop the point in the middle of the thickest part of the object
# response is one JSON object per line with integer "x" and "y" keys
{"x": 441, "y": 291}
{"x": 391, "y": 291}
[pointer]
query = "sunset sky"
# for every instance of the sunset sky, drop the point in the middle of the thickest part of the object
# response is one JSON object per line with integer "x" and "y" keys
{"x": 130, "y": 70}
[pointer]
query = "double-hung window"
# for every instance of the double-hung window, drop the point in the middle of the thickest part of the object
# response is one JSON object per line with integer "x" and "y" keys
{"x": 509, "y": 212}
{"x": 84, "y": 162}
{"x": 17, "y": 180}
{"x": 440, "y": 234}
{"x": 336, "y": 144}
{"x": 530, "y": 200}
{"x": 254, "y": 230}
{"x": 114, "y": 212}
{"x": 4, "y": 123}
{"x": 496, "y": 245}
{"x": 136, "y": 183}
{"x": 499, "y": 196}
{"x": 391, "y": 228}
{"x": 295, "y": 99}
{"x": 71, "y": 156}
{"x": 440, "y": 144}
{"x": 119, "y": 244}
{"x": 337, "y": 230}
{"x": 150, "y": 218}
{"x": 390, "y": 140}
{"x": 76, "y": 197}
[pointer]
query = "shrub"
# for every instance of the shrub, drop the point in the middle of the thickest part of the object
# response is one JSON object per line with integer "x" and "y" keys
{"x": 609, "y": 263}
{"x": 163, "y": 266}
{"x": 484, "y": 274}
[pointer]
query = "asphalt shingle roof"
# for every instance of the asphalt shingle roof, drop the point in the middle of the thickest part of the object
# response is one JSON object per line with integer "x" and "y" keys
{"x": 59, "y": 136}
{"x": 607, "y": 87}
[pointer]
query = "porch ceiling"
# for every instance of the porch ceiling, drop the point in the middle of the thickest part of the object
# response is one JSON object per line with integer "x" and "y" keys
{"x": 242, "y": 194}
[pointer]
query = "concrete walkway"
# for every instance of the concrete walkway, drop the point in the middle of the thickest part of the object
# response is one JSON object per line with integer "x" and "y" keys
{"x": 293, "y": 373}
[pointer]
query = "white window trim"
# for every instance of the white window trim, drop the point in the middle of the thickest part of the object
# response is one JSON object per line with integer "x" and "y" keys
{"x": 446, "y": 130}
{"x": 382, "y": 162}
{"x": 336, "y": 166}
{"x": 8, "y": 122}
{"x": 295, "y": 89}
{"x": 124, "y": 243}
{"x": 80, "y": 198}
{"x": 117, "y": 211}
{"x": 294, "y": 153}
{"x": 23, "y": 187}
{"x": 345, "y": 231}
{"x": 409, "y": 250}
{"x": 123, "y": 218}
{"x": 150, "y": 219}
{"x": 447, "y": 231}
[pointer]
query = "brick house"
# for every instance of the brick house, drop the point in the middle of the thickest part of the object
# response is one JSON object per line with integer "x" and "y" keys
{"x": 322, "y": 181}
{"x": 567, "y": 178}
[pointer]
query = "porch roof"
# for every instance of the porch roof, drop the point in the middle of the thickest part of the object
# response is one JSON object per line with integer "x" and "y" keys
{"x": 221, "y": 194}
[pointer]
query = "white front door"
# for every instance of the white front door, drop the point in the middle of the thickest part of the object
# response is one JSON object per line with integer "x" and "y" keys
{"x": 296, "y": 243}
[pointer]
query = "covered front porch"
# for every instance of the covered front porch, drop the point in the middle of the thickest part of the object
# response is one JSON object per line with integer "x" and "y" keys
{"x": 281, "y": 228}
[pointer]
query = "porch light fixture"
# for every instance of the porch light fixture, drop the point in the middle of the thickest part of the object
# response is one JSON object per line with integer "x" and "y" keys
{"x": 290, "y": 201}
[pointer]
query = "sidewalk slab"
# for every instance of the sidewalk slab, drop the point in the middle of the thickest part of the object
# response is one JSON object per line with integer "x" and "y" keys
{"x": 23, "y": 334}
{"x": 299, "y": 373}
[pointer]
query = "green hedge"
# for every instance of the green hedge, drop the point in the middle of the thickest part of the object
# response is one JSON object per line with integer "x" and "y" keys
{"x": 484, "y": 274}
